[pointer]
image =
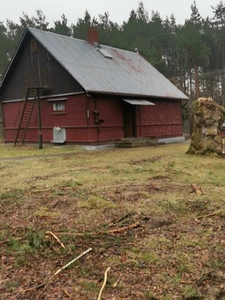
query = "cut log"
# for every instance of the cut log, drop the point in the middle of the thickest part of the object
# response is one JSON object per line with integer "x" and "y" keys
{"x": 197, "y": 189}
{"x": 207, "y": 124}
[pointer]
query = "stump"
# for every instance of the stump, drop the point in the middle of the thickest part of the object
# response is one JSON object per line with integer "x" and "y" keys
{"x": 207, "y": 124}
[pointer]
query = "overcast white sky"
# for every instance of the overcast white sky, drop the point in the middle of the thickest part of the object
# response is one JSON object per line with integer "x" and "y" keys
{"x": 119, "y": 10}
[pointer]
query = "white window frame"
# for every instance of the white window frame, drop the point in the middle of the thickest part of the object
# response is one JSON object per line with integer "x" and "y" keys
{"x": 59, "y": 106}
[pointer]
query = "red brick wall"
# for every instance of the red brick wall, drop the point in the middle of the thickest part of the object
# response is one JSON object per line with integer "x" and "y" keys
{"x": 110, "y": 112}
{"x": 73, "y": 118}
{"x": 80, "y": 127}
{"x": 160, "y": 120}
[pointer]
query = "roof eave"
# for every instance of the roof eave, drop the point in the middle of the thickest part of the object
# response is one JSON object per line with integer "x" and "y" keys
{"x": 136, "y": 95}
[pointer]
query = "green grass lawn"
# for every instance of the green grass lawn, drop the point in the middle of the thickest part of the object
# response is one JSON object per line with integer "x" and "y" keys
{"x": 135, "y": 208}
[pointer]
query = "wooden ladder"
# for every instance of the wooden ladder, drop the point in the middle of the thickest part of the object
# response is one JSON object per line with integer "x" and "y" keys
{"x": 25, "y": 115}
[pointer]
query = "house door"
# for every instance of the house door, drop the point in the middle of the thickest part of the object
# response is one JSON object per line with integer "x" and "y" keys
{"x": 129, "y": 120}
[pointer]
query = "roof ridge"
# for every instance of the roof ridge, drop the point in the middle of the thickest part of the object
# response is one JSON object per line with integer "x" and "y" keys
{"x": 116, "y": 48}
{"x": 30, "y": 29}
{"x": 73, "y": 38}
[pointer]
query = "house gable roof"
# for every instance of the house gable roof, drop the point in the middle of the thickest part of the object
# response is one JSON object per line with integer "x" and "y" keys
{"x": 107, "y": 69}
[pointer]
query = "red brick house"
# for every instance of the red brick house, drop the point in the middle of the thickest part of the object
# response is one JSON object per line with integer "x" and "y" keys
{"x": 83, "y": 92}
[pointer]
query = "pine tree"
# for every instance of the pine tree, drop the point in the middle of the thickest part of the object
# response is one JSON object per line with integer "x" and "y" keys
{"x": 61, "y": 27}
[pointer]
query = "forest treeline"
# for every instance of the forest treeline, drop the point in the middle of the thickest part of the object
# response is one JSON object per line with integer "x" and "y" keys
{"x": 191, "y": 55}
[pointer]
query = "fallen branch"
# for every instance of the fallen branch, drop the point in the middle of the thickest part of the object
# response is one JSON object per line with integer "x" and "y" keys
{"x": 122, "y": 218}
{"x": 56, "y": 238}
{"x": 67, "y": 294}
{"x": 72, "y": 261}
{"x": 178, "y": 171}
{"x": 40, "y": 191}
{"x": 104, "y": 283}
{"x": 75, "y": 233}
{"x": 111, "y": 231}
{"x": 118, "y": 185}
{"x": 45, "y": 284}
{"x": 122, "y": 229}
{"x": 4, "y": 242}
{"x": 36, "y": 287}
{"x": 207, "y": 216}
{"x": 117, "y": 281}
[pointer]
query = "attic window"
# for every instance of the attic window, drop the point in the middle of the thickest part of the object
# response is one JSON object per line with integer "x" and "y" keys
{"x": 105, "y": 53}
{"x": 33, "y": 45}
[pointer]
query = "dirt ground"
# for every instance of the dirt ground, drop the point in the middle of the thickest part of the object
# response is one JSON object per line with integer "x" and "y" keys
{"x": 131, "y": 215}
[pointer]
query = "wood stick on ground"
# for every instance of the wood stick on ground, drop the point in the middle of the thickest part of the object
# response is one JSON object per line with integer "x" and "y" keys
{"x": 40, "y": 191}
{"x": 122, "y": 218}
{"x": 104, "y": 283}
{"x": 36, "y": 287}
{"x": 197, "y": 189}
{"x": 207, "y": 216}
{"x": 67, "y": 294}
{"x": 122, "y": 229}
{"x": 46, "y": 284}
{"x": 178, "y": 171}
{"x": 71, "y": 233}
{"x": 117, "y": 281}
{"x": 119, "y": 185}
{"x": 4, "y": 242}
{"x": 72, "y": 261}
{"x": 56, "y": 238}
{"x": 111, "y": 231}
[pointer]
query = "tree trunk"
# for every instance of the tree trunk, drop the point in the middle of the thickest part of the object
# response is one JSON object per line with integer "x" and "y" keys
{"x": 196, "y": 81}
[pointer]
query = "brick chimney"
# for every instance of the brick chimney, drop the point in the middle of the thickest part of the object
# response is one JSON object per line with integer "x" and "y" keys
{"x": 92, "y": 35}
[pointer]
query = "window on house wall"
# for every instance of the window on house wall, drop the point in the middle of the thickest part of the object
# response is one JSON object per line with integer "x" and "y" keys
{"x": 59, "y": 106}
